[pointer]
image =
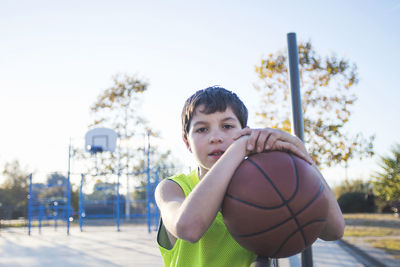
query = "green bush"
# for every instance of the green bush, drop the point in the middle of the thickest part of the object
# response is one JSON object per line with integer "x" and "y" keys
{"x": 354, "y": 202}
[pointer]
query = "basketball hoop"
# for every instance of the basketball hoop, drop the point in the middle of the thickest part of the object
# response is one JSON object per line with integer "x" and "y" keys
{"x": 100, "y": 140}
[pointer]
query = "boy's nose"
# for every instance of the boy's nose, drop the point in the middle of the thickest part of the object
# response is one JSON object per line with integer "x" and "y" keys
{"x": 216, "y": 138}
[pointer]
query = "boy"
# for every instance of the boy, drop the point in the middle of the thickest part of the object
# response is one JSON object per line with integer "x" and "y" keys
{"x": 192, "y": 232}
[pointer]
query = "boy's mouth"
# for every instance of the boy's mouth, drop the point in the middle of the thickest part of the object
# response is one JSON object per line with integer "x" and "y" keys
{"x": 216, "y": 153}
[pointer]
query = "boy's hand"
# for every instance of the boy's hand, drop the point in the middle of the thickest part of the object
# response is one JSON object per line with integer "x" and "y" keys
{"x": 269, "y": 139}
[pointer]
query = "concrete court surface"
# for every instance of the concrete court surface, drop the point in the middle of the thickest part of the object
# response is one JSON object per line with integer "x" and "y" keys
{"x": 104, "y": 246}
{"x": 95, "y": 246}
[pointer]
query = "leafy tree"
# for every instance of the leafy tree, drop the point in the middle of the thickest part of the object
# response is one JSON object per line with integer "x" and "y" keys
{"x": 118, "y": 107}
{"x": 326, "y": 84}
{"x": 387, "y": 181}
{"x": 14, "y": 190}
{"x": 56, "y": 188}
{"x": 355, "y": 196}
{"x": 102, "y": 191}
{"x": 348, "y": 186}
{"x": 56, "y": 179}
{"x": 354, "y": 202}
{"x": 166, "y": 167}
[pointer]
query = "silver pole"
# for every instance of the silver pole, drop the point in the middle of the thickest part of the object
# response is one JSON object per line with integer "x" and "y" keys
{"x": 297, "y": 114}
{"x": 294, "y": 77}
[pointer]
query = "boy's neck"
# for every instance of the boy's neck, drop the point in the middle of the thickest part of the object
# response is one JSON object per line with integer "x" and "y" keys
{"x": 201, "y": 173}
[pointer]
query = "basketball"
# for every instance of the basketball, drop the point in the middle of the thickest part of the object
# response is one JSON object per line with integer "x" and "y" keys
{"x": 274, "y": 205}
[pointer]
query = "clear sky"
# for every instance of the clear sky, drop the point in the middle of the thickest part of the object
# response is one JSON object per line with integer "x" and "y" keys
{"x": 56, "y": 57}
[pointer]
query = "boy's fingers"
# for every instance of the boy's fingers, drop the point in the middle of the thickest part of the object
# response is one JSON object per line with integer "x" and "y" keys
{"x": 272, "y": 138}
{"x": 251, "y": 144}
{"x": 244, "y": 131}
{"x": 262, "y": 139}
{"x": 285, "y": 146}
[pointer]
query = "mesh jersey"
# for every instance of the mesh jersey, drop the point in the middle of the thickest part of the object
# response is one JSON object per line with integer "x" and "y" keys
{"x": 216, "y": 248}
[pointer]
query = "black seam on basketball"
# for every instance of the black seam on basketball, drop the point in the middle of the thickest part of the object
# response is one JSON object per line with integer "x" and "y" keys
{"x": 255, "y": 205}
{"x": 290, "y": 210}
{"x": 281, "y": 196}
{"x": 297, "y": 179}
{"x": 264, "y": 231}
{"x": 321, "y": 188}
{"x": 269, "y": 180}
{"x": 294, "y": 232}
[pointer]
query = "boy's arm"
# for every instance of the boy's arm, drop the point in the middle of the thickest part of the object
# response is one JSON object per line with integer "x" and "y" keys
{"x": 334, "y": 226}
{"x": 189, "y": 218}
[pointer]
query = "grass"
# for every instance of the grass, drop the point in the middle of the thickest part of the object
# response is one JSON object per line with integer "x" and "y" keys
{"x": 371, "y": 216}
{"x": 24, "y": 223}
{"x": 390, "y": 245}
{"x": 365, "y": 231}
{"x": 379, "y": 230}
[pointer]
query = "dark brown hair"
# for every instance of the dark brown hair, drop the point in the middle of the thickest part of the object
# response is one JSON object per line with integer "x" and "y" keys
{"x": 214, "y": 99}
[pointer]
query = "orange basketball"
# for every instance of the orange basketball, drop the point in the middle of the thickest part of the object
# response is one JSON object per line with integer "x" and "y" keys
{"x": 274, "y": 205}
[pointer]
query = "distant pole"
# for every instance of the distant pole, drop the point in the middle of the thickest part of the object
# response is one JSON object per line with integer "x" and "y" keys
{"x": 297, "y": 114}
{"x": 69, "y": 185}
{"x": 118, "y": 178}
{"x": 157, "y": 213}
{"x": 148, "y": 186}
{"x": 30, "y": 204}
{"x": 81, "y": 207}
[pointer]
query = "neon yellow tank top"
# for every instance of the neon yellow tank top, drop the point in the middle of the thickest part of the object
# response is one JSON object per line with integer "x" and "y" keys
{"x": 216, "y": 248}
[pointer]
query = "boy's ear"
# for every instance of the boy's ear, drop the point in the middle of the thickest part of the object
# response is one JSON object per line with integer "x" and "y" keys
{"x": 187, "y": 143}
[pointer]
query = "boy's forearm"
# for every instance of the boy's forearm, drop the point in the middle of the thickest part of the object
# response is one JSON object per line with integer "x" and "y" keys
{"x": 202, "y": 205}
{"x": 335, "y": 224}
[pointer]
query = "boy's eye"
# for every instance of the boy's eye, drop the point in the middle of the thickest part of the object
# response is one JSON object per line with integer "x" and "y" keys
{"x": 201, "y": 130}
{"x": 228, "y": 126}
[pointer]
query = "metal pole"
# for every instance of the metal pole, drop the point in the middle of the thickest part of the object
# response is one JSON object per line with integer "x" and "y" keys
{"x": 69, "y": 185}
{"x": 55, "y": 215}
{"x": 148, "y": 187}
{"x": 81, "y": 210}
{"x": 30, "y": 204}
{"x": 157, "y": 213}
{"x": 297, "y": 114}
{"x": 128, "y": 197}
{"x": 40, "y": 217}
{"x": 294, "y": 77}
{"x": 118, "y": 197}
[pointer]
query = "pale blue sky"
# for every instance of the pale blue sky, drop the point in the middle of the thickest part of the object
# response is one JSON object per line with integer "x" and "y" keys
{"x": 57, "y": 56}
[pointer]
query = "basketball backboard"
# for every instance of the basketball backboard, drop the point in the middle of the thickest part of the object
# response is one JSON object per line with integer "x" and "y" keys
{"x": 100, "y": 140}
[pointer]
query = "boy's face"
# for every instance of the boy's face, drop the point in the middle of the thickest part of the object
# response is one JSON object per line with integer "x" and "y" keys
{"x": 210, "y": 135}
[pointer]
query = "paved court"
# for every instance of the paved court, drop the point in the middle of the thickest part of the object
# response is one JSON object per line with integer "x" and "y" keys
{"x": 133, "y": 246}
{"x": 325, "y": 254}
{"x": 96, "y": 246}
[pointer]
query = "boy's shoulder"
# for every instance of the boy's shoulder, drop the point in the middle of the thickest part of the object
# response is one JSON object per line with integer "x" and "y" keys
{"x": 186, "y": 181}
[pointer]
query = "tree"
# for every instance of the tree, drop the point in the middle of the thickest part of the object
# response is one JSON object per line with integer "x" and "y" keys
{"x": 118, "y": 107}
{"x": 56, "y": 188}
{"x": 387, "y": 181}
{"x": 14, "y": 190}
{"x": 355, "y": 196}
{"x": 327, "y": 99}
{"x": 166, "y": 167}
{"x": 348, "y": 186}
{"x": 56, "y": 179}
